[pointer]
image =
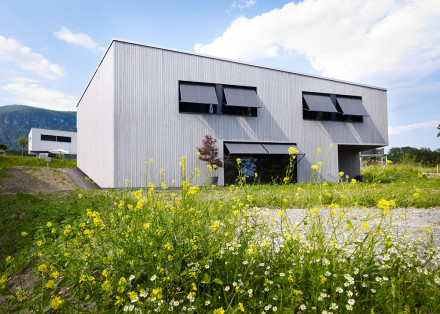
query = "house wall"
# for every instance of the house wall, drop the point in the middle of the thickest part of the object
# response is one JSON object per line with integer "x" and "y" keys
{"x": 148, "y": 124}
{"x": 349, "y": 164}
{"x": 36, "y": 144}
{"x": 95, "y": 124}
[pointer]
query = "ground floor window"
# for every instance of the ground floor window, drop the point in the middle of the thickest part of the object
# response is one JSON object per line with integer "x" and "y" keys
{"x": 269, "y": 169}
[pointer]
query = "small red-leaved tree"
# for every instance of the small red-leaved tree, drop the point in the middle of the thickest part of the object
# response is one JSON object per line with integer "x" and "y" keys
{"x": 209, "y": 152}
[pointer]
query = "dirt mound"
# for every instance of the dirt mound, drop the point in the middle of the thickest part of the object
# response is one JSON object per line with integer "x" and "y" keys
{"x": 35, "y": 180}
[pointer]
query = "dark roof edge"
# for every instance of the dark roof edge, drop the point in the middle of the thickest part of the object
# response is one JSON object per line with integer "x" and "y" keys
{"x": 223, "y": 59}
{"x": 52, "y": 130}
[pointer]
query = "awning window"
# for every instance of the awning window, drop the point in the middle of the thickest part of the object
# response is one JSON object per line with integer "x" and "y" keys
{"x": 241, "y": 97}
{"x": 321, "y": 103}
{"x": 198, "y": 93}
{"x": 352, "y": 106}
{"x": 245, "y": 149}
{"x": 277, "y": 149}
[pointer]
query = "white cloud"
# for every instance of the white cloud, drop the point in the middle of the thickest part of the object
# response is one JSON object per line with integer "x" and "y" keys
{"x": 79, "y": 39}
{"x": 411, "y": 127}
{"x": 246, "y": 4}
{"x": 12, "y": 51}
{"x": 385, "y": 41}
{"x": 29, "y": 92}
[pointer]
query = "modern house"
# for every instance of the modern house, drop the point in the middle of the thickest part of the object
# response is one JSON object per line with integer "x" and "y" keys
{"x": 145, "y": 102}
{"x": 41, "y": 141}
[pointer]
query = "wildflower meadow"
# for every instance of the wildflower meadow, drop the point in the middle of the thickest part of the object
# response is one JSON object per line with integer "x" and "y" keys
{"x": 228, "y": 249}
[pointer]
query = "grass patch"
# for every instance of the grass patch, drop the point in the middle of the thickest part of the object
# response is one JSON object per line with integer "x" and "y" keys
{"x": 221, "y": 250}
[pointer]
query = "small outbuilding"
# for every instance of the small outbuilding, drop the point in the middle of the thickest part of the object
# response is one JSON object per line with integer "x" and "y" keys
{"x": 145, "y": 102}
{"x": 45, "y": 141}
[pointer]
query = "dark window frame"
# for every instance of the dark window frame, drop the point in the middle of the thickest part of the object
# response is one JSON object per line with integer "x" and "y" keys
{"x": 217, "y": 109}
{"x": 64, "y": 139}
{"x": 330, "y": 116}
{"x": 48, "y": 138}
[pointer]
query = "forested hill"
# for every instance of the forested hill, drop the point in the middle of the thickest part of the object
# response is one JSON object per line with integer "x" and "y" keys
{"x": 17, "y": 120}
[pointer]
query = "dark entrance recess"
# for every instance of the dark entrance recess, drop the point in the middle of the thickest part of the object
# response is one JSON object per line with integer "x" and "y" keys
{"x": 268, "y": 160}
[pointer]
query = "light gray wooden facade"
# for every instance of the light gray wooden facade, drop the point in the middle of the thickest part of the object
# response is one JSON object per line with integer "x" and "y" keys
{"x": 129, "y": 114}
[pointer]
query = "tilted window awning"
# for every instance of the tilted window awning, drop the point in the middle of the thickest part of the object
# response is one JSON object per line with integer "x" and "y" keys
{"x": 258, "y": 148}
{"x": 245, "y": 148}
{"x": 198, "y": 93}
{"x": 352, "y": 106}
{"x": 241, "y": 97}
{"x": 321, "y": 103}
{"x": 278, "y": 149}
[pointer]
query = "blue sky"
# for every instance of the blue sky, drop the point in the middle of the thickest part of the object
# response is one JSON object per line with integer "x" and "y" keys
{"x": 50, "y": 49}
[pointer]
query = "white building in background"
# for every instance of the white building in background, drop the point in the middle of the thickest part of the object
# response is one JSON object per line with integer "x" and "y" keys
{"x": 150, "y": 102}
{"x": 43, "y": 140}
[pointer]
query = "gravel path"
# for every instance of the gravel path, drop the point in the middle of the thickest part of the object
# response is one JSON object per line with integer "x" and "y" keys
{"x": 415, "y": 220}
{"x": 78, "y": 178}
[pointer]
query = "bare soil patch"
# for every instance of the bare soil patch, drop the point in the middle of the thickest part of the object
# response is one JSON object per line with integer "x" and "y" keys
{"x": 35, "y": 180}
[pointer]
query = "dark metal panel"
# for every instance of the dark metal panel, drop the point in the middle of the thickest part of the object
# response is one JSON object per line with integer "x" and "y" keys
{"x": 352, "y": 106}
{"x": 245, "y": 148}
{"x": 198, "y": 93}
{"x": 321, "y": 103}
{"x": 278, "y": 149}
{"x": 241, "y": 97}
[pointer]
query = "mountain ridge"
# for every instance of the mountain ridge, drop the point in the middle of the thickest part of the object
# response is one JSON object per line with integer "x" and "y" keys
{"x": 17, "y": 120}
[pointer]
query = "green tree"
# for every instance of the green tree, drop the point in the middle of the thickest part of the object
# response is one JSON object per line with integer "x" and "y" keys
{"x": 22, "y": 141}
{"x": 3, "y": 146}
{"x": 438, "y": 135}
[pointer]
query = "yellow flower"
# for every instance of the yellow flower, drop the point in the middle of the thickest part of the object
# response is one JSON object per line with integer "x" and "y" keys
{"x": 9, "y": 259}
{"x": 314, "y": 167}
{"x": 419, "y": 175}
{"x": 238, "y": 161}
{"x": 219, "y": 310}
{"x": 127, "y": 182}
{"x": 105, "y": 273}
{"x": 265, "y": 243}
{"x": 122, "y": 281}
{"x": 384, "y": 204}
{"x": 56, "y": 302}
{"x": 318, "y": 150}
{"x": 24, "y": 233}
{"x": 55, "y": 274}
{"x": 42, "y": 268}
{"x": 389, "y": 161}
{"x": 50, "y": 284}
{"x": 39, "y": 242}
{"x": 106, "y": 285}
{"x": 133, "y": 295}
{"x": 292, "y": 150}
{"x": 341, "y": 173}
{"x": 119, "y": 300}
{"x": 49, "y": 224}
{"x": 80, "y": 195}
{"x": 365, "y": 226}
{"x": 416, "y": 195}
{"x": 151, "y": 160}
{"x": 198, "y": 154}
{"x": 215, "y": 225}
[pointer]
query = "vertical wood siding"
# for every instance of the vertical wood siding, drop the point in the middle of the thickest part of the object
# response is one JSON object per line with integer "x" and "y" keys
{"x": 95, "y": 125}
{"x": 148, "y": 123}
